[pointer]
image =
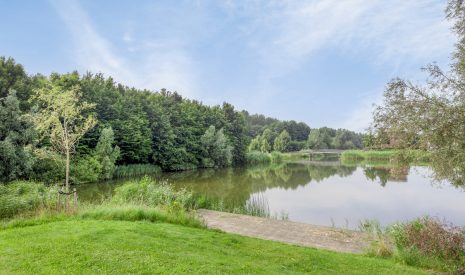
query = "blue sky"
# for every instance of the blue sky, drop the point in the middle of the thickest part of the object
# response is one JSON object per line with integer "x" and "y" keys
{"x": 322, "y": 62}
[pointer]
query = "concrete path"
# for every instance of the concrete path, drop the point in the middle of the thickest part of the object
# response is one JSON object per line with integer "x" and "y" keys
{"x": 340, "y": 240}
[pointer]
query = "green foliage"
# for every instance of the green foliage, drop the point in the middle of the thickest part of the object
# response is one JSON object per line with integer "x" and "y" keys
{"x": 16, "y": 140}
{"x": 327, "y": 138}
{"x": 368, "y": 140}
{"x": 235, "y": 130}
{"x": 215, "y": 149}
{"x": 319, "y": 139}
{"x": 257, "y": 124}
{"x": 85, "y": 170}
{"x": 62, "y": 118}
{"x": 255, "y": 144}
{"x": 133, "y": 170}
{"x": 265, "y": 146}
{"x": 23, "y": 197}
{"x": 14, "y": 78}
{"x": 107, "y": 154}
{"x": 276, "y": 157}
{"x": 281, "y": 142}
{"x": 295, "y": 146}
{"x": 151, "y": 193}
{"x": 154, "y": 128}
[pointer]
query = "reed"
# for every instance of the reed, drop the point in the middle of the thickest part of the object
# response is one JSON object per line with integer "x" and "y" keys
{"x": 256, "y": 157}
{"x": 133, "y": 170}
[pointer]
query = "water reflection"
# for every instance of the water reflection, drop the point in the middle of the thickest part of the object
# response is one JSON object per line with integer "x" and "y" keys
{"x": 323, "y": 192}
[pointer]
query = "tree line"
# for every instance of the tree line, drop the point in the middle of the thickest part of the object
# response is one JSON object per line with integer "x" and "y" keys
{"x": 289, "y": 136}
{"x": 91, "y": 124}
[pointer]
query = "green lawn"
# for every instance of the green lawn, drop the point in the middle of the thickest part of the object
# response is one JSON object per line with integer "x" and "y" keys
{"x": 82, "y": 246}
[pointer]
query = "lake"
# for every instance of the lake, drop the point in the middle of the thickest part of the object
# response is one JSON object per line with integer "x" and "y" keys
{"x": 324, "y": 193}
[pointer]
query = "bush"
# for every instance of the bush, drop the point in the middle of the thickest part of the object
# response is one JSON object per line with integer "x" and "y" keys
{"x": 428, "y": 240}
{"x": 21, "y": 197}
{"x": 150, "y": 193}
{"x": 86, "y": 170}
{"x": 48, "y": 171}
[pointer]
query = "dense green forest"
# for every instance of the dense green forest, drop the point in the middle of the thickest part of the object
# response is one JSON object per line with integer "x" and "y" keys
{"x": 129, "y": 127}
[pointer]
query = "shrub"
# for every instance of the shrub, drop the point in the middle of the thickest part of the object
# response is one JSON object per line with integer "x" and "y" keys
{"x": 430, "y": 240}
{"x": 151, "y": 193}
{"x": 21, "y": 197}
{"x": 48, "y": 171}
{"x": 86, "y": 170}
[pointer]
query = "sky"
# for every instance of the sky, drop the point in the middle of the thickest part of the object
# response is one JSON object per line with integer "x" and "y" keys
{"x": 322, "y": 62}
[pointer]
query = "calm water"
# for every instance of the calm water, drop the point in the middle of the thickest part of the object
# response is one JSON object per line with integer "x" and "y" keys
{"x": 324, "y": 193}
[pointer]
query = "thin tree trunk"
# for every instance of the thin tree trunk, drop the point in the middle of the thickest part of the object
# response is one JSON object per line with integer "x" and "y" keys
{"x": 67, "y": 171}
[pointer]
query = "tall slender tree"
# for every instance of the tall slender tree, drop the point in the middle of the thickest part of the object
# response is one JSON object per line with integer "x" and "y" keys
{"x": 61, "y": 119}
{"x": 107, "y": 154}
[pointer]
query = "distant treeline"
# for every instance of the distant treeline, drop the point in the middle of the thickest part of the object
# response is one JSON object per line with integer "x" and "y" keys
{"x": 269, "y": 134}
{"x": 158, "y": 128}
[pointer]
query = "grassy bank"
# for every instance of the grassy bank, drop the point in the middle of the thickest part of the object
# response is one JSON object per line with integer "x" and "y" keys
{"x": 416, "y": 156}
{"x": 133, "y": 233}
{"x": 104, "y": 246}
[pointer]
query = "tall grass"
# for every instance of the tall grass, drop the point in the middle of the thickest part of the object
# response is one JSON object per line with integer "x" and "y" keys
{"x": 23, "y": 197}
{"x": 386, "y": 155}
{"x": 149, "y": 192}
{"x": 255, "y": 206}
{"x": 133, "y": 170}
{"x": 256, "y": 157}
{"x": 141, "y": 213}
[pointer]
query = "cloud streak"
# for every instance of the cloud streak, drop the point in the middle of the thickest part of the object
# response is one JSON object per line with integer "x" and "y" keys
{"x": 286, "y": 32}
{"x": 161, "y": 66}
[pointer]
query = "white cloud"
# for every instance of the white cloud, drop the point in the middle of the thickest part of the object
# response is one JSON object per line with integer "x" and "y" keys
{"x": 169, "y": 67}
{"x": 396, "y": 35}
{"x": 285, "y": 33}
{"x": 93, "y": 52}
{"x": 160, "y": 67}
